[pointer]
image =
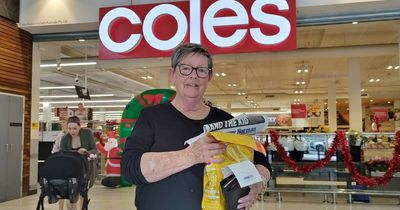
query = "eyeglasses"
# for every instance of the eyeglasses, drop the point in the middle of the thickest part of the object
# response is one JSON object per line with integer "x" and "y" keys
{"x": 201, "y": 72}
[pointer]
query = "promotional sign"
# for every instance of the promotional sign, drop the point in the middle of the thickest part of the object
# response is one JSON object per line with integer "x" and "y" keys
{"x": 298, "y": 110}
{"x": 224, "y": 26}
{"x": 63, "y": 112}
{"x": 381, "y": 114}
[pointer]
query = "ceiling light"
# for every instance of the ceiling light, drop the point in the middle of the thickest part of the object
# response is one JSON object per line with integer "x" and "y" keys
{"x": 57, "y": 87}
{"x": 397, "y": 67}
{"x": 354, "y": 23}
{"x": 297, "y": 83}
{"x": 362, "y": 90}
{"x": 229, "y": 85}
{"x": 48, "y": 65}
{"x": 143, "y": 77}
{"x": 69, "y": 64}
{"x": 149, "y": 77}
{"x": 217, "y": 74}
{"x": 303, "y": 82}
{"x": 79, "y": 64}
{"x": 223, "y": 74}
{"x": 389, "y": 67}
{"x": 371, "y": 100}
{"x": 389, "y": 102}
{"x": 298, "y": 70}
{"x": 371, "y": 80}
{"x": 81, "y": 40}
{"x": 305, "y": 70}
{"x": 234, "y": 85}
{"x": 96, "y": 106}
{"x": 100, "y": 106}
{"x": 74, "y": 96}
{"x": 76, "y": 102}
{"x": 296, "y": 91}
{"x": 172, "y": 87}
{"x": 300, "y": 91}
{"x": 377, "y": 80}
{"x": 108, "y": 112}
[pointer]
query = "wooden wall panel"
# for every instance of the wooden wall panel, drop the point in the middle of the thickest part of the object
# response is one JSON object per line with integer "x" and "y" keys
{"x": 16, "y": 78}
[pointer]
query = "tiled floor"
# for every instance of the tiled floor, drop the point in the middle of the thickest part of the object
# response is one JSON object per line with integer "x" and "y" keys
{"x": 103, "y": 198}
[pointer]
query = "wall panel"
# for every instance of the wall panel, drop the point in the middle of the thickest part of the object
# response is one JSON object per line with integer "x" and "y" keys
{"x": 16, "y": 78}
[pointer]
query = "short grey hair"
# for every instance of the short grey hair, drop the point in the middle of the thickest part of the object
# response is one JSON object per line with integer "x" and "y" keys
{"x": 188, "y": 48}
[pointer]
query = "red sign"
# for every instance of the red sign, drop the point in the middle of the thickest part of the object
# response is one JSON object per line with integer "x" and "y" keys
{"x": 381, "y": 114}
{"x": 299, "y": 110}
{"x": 62, "y": 112}
{"x": 224, "y": 26}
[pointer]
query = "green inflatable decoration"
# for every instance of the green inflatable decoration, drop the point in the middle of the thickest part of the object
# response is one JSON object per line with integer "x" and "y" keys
{"x": 132, "y": 111}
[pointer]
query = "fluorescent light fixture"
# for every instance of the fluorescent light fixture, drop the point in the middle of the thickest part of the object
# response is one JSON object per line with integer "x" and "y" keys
{"x": 115, "y": 115}
{"x": 74, "y": 96}
{"x": 92, "y": 106}
{"x": 79, "y": 64}
{"x": 48, "y": 65}
{"x": 69, "y": 64}
{"x": 100, "y": 106}
{"x": 86, "y": 102}
{"x": 57, "y": 87}
{"x": 108, "y": 112}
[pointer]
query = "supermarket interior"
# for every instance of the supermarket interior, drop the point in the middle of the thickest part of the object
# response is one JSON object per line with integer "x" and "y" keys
{"x": 325, "y": 75}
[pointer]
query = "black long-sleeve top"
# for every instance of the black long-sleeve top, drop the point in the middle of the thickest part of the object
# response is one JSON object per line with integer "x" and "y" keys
{"x": 163, "y": 128}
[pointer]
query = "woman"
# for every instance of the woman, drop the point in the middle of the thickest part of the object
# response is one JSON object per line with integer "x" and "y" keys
{"x": 56, "y": 148}
{"x": 57, "y": 140}
{"x": 81, "y": 112}
{"x": 80, "y": 140}
{"x": 155, "y": 158}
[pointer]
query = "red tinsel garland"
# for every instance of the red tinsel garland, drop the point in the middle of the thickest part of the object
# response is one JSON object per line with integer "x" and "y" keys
{"x": 340, "y": 139}
{"x": 392, "y": 168}
{"x": 303, "y": 169}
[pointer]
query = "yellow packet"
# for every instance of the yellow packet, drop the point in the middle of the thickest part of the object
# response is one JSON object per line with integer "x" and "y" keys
{"x": 238, "y": 148}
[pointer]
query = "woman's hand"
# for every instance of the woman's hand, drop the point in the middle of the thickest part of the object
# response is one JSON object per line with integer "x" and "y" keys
{"x": 247, "y": 201}
{"x": 83, "y": 151}
{"x": 204, "y": 150}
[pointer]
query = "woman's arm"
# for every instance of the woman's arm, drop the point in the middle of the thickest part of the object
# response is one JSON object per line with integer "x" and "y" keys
{"x": 87, "y": 142}
{"x": 63, "y": 143}
{"x": 92, "y": 144}
{"x": 264, "y": 169}
{"x": 156, "y": 166}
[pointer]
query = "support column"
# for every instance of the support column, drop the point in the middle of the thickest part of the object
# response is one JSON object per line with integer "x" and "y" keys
{"x": 355, "y": 109}
{"x": 332, "y": 116}
{"x": 34, "y": 146}
{"x": 164, "y": 78}
{"x": 47, "y": 115}
{"x": 396, "y": 106}
{"x": 229, "y": 107}
{"x": 102, "y": 115}
{"x": 321, "y": 118}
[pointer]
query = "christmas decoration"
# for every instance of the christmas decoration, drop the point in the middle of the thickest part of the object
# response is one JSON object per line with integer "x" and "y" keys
{"x": 341, "y": 140}
{"x": 111, "y": 153}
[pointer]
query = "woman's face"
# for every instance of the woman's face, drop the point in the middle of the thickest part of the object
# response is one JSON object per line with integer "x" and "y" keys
{"x": 64, "y": 126}
{"x": 73, "y": 129}
{"x": 190, "y": 86}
